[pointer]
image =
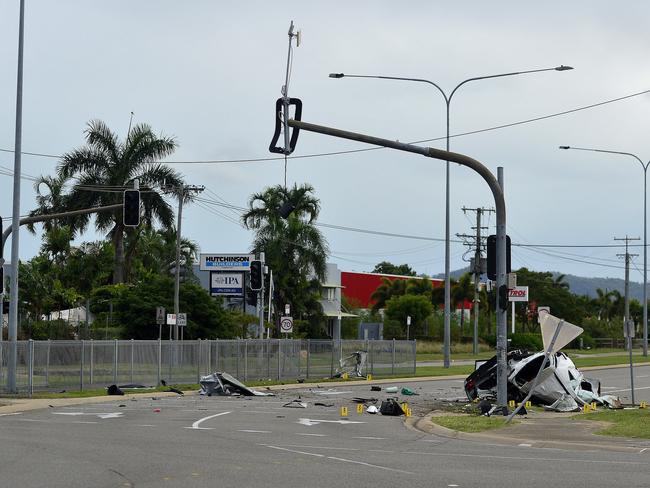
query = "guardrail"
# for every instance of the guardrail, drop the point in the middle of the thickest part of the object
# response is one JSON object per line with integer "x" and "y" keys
{"x": 79, "y": 365}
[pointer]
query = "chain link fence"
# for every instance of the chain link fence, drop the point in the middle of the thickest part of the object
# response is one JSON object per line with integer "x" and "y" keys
{"x": 79, "y": 365}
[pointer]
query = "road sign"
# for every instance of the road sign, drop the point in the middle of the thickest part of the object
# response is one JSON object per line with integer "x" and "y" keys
{"x": 518, "y": 294}
{"x": 541, "y": 311}
{"x": 160, "y": 315}
{"x": 629, "y": 330}
{"x": 181, "y": 319}
{"x": 171, "y": 319}
{"x": 286, "y": 325}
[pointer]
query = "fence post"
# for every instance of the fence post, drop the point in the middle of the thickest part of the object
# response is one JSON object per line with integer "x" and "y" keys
{"x": 415, "y": 365}
{"x": 268, "y": 358}
{"x": 371, "y": 357}
{"x": 238, "y": 353}
{"x": 332, "y": 361}
{"x": 47, "y": 363}
{"x": 31, "y": 367}
{"x": 245, "y": 359}
{"x": 115, "y": 361}
{"x": 132, "y": 347}
{"x": 209, "y": 369}
{"x": 279, "y": 353}
{"x": 92, "y": 359}
{"x": 81, "y": 370}
{"x": 159, "y": 360}
{"x": 308, "y": 355}
{"x": 392, "y": 370}
{"x": 217, "y": 355}
{"x": 198, "y": 361}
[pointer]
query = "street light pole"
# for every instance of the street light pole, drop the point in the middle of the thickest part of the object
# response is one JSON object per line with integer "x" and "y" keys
{"x": 645, "y": 232}
{"x": 448, "y": 98}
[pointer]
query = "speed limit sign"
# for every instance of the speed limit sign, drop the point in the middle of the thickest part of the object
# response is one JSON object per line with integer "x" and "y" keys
{"x": 286, "y": 325}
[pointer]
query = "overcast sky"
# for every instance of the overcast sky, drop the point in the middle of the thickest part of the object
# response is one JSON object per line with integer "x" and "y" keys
{"x": 209, "y": 72}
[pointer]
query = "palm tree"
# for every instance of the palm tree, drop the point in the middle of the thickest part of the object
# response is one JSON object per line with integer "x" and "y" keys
{"x": 155, "y": 250}
{"x": 106, "y": 166}
{"x": 294, "y": 248}
{"x": 54, "y": 200}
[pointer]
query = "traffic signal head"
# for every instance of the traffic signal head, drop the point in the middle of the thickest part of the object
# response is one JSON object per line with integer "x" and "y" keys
{"x": 256, "y": 275}
{"x": 492, "y": 256}
{"x": 503, "y": 297}
{"x": 131, "y": 208}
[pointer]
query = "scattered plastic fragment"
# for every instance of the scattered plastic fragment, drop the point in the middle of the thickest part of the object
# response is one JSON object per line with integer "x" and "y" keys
{"x": 114, "y": 390}
{"x": 372, "y": 409}
{"x": 321, "y": 404}
{"x": 375, "y": 388}
{"x": 156, "y": 410}
{"x": 391, "y": 389}
{"x": 408, "y": 392}
{"x": 295, "y": 404}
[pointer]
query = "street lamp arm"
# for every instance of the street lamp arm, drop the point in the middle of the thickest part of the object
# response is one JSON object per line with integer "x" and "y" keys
{"x": 399, "y": 78}
{"x": 514, "y": 73}
{"x": 644, "y": 165}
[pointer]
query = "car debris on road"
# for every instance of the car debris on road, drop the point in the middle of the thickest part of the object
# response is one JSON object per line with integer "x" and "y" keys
{"x": 219, "y": 383}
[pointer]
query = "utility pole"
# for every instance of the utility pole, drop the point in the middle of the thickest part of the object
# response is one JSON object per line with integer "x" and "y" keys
{"x": 477, "y": 265}
{"x": 628, "y": 326}
{"x": 182, "y": 191}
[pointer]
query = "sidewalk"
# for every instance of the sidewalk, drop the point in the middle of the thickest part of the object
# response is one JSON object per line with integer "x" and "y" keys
{"x": 542, "y": 430}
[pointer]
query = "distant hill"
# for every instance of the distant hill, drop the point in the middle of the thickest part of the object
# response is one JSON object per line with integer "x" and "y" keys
{"x": 581, "y": 285}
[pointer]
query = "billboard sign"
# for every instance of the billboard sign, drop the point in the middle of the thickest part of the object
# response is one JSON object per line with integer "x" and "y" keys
{"x": 225, "y": 262}
{"x": 518, "y": 294}
{"x": 226, "y": 284}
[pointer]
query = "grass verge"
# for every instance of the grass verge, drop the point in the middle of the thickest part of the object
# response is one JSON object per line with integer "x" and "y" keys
{"x": 622, "y": 423}
{"x": 469, "y": 423}
{"x": 609, "y": 360}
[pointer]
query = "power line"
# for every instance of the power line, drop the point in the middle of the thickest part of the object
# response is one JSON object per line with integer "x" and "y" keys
{"x": 353, "y": 151}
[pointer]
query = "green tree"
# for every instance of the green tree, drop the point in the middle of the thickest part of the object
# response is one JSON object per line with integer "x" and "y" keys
{"x": 418, "y": 307}
{"x": 105, "y": 167}
{"x": 154, "y": 250}
{"x": 294, "y": 248}
{"x": 386, "y": 267}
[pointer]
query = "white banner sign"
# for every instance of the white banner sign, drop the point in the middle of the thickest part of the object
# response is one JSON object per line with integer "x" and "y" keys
{"x": 226, "y": 284}
{"x": 518, "y": 294}
{"x": 171, "y": 319}
{"x": 225, "y": 262}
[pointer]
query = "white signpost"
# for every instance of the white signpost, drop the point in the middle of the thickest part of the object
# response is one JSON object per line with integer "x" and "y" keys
{"x": 286, "y": 325}
{"x": 517, "y": 294}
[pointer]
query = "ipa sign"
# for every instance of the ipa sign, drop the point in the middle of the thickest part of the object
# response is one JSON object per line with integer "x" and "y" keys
{"x": 225, "y": 262}
{"x": 226, "y": 284}
{"x": 518, "y": 294}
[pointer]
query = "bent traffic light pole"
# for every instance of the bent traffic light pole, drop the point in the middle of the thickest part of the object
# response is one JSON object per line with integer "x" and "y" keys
{"x": 500, "y": 206}
{"x": 13, "y": 318}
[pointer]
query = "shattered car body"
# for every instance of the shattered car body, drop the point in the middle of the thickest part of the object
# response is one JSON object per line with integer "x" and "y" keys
{"x": 561, "y": 385}
{"x": 225, "y": 384}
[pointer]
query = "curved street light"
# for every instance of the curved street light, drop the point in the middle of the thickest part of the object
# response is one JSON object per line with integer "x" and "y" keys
{"x": 448, "y": 98}
{"x": 645, "y": 233}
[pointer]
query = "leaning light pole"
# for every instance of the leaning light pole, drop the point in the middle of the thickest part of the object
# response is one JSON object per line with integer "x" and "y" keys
{"x": 500, "y": 206}
{"x": 448, "y": 98}
{"x": 645, "y": 232}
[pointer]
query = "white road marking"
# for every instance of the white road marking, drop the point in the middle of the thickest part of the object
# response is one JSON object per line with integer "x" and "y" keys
{"x": 315, "y": 435}
{"x": 196, "y": 424}
{"x": 145, "y": 425}
{"x": 643, "y": 376}
{"x": 83, "y": 422}
{"x": 31, "y": 420}
{"x": 255, "y": 431}
{"x": 111, "y": 415}
{"x": 6, "y": 414}
{"x": 517, "y": 458}
{"x": 336, "y": 459}
{"x": 452, "y": 485}
{"x": 381, "y": 450}
{"x": 316, "y": 422}
{"x": 627, "y": 389}
{"x": 324, "y": 447}
{"x": 67, "y": 413}
{"x": 525, "y": 445}
{"x": 332, "y": 392}
{"x": 369, "y": 465}
{"x": 370, "y": 438}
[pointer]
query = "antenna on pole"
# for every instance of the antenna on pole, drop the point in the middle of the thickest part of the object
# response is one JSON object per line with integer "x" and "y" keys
{"x": 282, "y": 109}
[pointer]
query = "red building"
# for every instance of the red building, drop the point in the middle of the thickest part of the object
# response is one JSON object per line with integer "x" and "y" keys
{"x": 358, "y": 287}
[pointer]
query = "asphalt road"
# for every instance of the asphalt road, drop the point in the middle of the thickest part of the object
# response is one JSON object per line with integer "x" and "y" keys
{"x": 256, "y": 442}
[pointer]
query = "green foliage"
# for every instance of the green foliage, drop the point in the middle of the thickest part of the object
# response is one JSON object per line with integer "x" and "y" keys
{"x": 294, "y": 248}
{"x": 418, "y": 307}
{"x": 54, "y": 329}
{"x": 531, "y": 342}
{"x": 389, "y": 268}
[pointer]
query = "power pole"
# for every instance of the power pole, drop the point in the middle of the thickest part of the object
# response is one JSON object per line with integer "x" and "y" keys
{"x": 476, "y": 269}
{"x": 628, "y": 327}
{"x": 182, "y": 191}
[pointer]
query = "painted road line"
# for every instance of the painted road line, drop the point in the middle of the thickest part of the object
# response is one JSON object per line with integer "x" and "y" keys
{"x": 196, "y": 424}
{"x": 84, "y": 422}
{"x": 7, "y": 414}
{"x": 376, "y": 466}
{"x": 627, "y": 389}
{"x": 310, "y": 422}
{"x": 314, "y": 435}
{"x": 324, "y": 447}
{"x": 255, "y": 431}
{"x": 370, "y": 438}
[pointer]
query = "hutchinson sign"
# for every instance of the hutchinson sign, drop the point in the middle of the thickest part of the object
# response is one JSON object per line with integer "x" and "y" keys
{"x": 226, "y": 284}
{"x": 225, "y": 262}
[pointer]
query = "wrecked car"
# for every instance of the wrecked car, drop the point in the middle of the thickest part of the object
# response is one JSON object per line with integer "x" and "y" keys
{"x": 225, "y": 384}
{"x": 561, "y": 385}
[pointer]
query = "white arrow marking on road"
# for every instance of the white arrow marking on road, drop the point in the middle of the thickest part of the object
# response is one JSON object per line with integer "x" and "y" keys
{"x": 67, "y": 413}
{"x": 112, "y": 415}
{"x": 196, "y": 424}
{"x": 316, "y": 422}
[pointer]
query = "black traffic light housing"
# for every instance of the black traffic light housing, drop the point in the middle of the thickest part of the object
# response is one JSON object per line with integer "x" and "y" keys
{"x": 503, "y": 297}
{"x": 492, "y": 257}
{"x": 131, "y": 210}
{"x": 257, "y": 276}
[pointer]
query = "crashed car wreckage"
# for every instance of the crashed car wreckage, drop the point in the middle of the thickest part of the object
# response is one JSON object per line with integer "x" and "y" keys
{"x": 560, "y": 386}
